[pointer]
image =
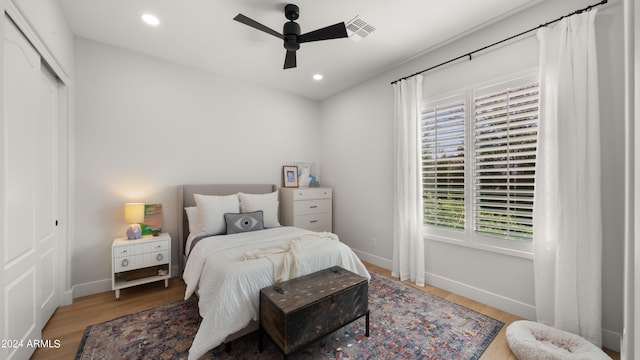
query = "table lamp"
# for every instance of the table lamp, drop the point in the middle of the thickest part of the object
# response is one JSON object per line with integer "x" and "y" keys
{"x": 134, "y": 215}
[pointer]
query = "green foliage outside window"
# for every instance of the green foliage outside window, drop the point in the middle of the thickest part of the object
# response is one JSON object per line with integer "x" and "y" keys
{"x": 502, "y": 156}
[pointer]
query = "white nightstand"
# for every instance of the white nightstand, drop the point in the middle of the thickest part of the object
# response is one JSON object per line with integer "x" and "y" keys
{"x": 140, "y": 261}
{"x": 307, "y": 208}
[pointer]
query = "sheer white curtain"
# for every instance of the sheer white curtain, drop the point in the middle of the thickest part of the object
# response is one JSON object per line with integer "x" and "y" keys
{"x": 408, "y": 244}
{"x": 567, "y": 215}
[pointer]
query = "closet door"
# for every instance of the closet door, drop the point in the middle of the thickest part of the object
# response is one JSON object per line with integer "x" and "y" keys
{"x": 29, "y": 259}
{"x": 45, "y": 192}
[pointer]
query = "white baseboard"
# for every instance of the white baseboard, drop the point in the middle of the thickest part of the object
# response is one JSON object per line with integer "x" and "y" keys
{"x": 66, "y": 298}
{"x": 99, "y": 286}
{"x": 486, "y": 297}
{"x": 611, "y": 340}
{"x": 91, "y": 288}
{"x": 373, "y": 259}
{"x": 498, "y": 301}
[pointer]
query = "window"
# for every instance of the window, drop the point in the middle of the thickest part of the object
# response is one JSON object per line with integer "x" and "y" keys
{"x": 478, "y": 162}
{"x": 443, "y": 164}
{"x": 505, "y": 133}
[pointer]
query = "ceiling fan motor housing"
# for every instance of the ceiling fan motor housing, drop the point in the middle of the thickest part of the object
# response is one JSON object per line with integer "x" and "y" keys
{"x": 291, "y": 30}
{"x": 291, "y": 12}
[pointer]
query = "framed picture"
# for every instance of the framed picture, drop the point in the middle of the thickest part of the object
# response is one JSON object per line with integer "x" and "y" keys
{"x": 290, "y": 176}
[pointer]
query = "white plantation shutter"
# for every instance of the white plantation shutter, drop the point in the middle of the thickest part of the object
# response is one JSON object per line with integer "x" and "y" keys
{"x": 505, "y": 132}
{"x": 478, "y": 164}
{"x": 443, "y": 163}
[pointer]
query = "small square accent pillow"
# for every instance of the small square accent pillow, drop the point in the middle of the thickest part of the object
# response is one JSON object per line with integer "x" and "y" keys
{"x": 244, "y": 222}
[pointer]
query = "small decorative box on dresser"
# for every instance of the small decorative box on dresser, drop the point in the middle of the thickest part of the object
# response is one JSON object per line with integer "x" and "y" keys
{"x": 306, "y": 208}
{"x": 141, "y": 261}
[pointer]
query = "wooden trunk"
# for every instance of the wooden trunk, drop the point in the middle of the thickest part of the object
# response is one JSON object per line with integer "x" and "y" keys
{"x": 297, "y": 312}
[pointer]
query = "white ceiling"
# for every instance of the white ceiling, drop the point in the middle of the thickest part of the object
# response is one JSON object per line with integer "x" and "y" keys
{"x": 203, "y": 34}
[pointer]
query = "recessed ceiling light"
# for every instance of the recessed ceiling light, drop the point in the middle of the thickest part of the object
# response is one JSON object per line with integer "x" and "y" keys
{"x": 317, "y": 77}
{"x": 150, "y": 19}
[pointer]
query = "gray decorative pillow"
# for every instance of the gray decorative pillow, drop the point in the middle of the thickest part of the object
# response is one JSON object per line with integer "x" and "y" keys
{"x": 250, "y": 221}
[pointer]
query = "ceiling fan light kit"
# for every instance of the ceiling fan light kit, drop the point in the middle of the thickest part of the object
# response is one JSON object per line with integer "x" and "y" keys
{"x": 291, "y": 33}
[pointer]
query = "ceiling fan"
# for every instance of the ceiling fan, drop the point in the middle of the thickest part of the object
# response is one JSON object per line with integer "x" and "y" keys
{"x": 291, "y": 33}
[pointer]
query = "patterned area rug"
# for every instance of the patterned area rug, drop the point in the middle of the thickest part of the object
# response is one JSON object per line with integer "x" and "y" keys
{"x": 406, "y": 323}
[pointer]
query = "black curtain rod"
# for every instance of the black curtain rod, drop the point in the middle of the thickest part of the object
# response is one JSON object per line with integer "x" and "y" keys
{"x": 469, "y": 55}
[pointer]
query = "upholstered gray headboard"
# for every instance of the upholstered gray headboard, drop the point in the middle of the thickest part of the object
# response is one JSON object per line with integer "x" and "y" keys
{"x": 185, "y": 199}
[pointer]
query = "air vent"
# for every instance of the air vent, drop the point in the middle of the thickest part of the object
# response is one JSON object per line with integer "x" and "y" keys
{"x": 358, "y": 29}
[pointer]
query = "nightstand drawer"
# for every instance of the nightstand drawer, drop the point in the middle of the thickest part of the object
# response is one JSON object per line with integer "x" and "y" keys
{"x": 313, "y": 221}
{"x": 133, "y": 262}
{"x": 306, "y": 207}
{"x": 140, "y": 248}
{"x": 124, "y": 250}
{"x": 152, "y": 258}
{"x": 156, "y": 246}
{"x": 311, "y": 193}
{"x": 125, "y": 263}
{"x": 159, "y": 258}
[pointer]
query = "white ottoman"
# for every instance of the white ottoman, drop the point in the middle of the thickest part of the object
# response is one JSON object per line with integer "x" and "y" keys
{"x": 530, "y": 340}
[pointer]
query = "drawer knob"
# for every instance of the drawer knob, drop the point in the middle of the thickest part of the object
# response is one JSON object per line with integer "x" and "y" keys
{"x": 125, "y": 262}
{"x": 313, "y": 221}
{"x": 313, "y": 207}
{"x": 159, "y": 257}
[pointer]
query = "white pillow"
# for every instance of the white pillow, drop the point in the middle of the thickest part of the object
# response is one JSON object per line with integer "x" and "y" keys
{"x": 192, "y": 219}
{"x": 268, "y": 203}
{"x": 211, "y": 210}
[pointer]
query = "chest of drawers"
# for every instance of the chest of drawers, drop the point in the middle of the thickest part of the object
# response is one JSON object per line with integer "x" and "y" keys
{"x": 307, "y": 208}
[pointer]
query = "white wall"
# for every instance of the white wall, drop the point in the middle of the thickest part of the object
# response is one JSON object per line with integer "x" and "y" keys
{"x": 144, "y": 126}
{"x": 357, "y": 161}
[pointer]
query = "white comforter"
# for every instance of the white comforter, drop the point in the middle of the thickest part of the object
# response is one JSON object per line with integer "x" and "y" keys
{"x": 229, "y": 286}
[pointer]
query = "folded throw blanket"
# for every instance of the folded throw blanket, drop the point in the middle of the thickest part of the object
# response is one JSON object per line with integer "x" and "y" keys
{"x": 285, "y": 258}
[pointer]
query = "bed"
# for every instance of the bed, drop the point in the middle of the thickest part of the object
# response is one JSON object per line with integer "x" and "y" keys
{"x": 227, "y": 271}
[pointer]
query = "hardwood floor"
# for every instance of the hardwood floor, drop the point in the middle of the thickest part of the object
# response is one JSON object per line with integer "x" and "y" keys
{"x": 69, "y": 322}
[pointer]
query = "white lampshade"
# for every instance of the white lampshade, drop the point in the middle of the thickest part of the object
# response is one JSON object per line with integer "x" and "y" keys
{"x": 133, "y": 215}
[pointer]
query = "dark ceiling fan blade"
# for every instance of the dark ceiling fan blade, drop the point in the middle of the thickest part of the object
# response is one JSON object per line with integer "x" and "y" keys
{"x": 290, "y": 59}
{"x": 336, "y": 31}
{"x": 256, "y": 25}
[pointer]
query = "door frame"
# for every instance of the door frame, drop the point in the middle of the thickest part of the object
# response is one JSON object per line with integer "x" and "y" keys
{"x": 630, "y": 344}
